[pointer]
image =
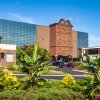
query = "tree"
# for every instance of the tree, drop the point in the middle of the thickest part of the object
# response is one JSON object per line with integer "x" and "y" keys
{"x": 32, "y": 64}
{"x": 45, "y": 55}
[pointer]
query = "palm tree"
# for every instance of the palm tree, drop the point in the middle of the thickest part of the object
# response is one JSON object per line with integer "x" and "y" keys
{"x": 32, "y": 65}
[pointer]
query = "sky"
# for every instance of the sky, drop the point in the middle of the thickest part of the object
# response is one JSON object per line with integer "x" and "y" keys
{"x": 83, "y": 14}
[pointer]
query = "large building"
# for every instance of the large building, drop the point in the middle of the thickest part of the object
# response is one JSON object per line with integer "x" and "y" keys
{"x": 17, "y": 32}
{"x": 57, "y": 38}
{"x": 80, "y": 40}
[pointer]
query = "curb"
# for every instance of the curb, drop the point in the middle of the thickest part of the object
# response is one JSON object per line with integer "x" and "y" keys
{"x": 64, "y": 75}
{"x": 47, "y": 75}
{"x": 80, "y": 71}
{"x": 19, "y": 74}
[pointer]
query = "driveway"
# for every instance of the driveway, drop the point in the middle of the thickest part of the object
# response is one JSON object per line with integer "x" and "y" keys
{"x": 76, "y": 74}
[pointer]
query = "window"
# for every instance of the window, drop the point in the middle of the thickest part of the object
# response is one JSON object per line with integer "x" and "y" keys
{"x": 10, "y": 58}
{"x": 1, "y": 56}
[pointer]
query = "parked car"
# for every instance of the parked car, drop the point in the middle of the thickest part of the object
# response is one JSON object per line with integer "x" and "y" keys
{"x": 57, "y": 64}
{"x": 71, "y": 64}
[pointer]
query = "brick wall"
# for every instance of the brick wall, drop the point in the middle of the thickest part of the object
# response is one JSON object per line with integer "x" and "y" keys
{"x": 3, "y": 62}
{"x": 43, "y": 36}
{"x": 61, "y": 40}
{"x": 75, "y": 48}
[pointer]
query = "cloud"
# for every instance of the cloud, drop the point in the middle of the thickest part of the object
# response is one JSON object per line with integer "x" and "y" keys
{"x": 21, "y": 18}
{"x": 94, "y": 41}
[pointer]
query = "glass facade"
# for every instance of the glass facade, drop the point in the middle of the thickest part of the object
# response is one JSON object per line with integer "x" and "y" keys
{"x": 82, "y": 39}
{"x": 18, "y": 33}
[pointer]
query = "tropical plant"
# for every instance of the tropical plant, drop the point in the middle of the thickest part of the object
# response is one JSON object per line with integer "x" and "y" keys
{"x": 32, "y": 65}
{"x": 45, "y": 55}
{"x": 92, "y": 66}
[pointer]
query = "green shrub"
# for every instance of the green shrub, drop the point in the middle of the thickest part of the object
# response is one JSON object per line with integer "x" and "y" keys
{"x": 12, "y": 67}
{"x": 52, "y": 83}
{"x": 80, "y": 85}
{"x": 68, "y": 81}
{"x": 52, "y": 90}
{"x": 8, "y": 82}
{"x": 1, "y": 70}
{"x": 12, "y": 95}
{"x": 53, "y": 93}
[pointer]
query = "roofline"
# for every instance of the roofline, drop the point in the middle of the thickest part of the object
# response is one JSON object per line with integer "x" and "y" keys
{"x": 17, "y": 21}
{"x": 7, "y": 44}
{"x": 91, "y": 48}
{"x": 42, "y": 25}
{"x": 79, "y": 31}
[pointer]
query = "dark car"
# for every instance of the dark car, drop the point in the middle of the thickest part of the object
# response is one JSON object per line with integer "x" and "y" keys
{"x": 71, "y": 64}
{"x": 57, "y": 64}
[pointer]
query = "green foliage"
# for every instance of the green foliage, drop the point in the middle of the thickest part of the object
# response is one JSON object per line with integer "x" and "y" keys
{"x": 52, "y": 83}
{"x": 12, "y": 67}
{"x": 53, "y": 93}
{"x": 68, "y": 81}
{"x": 1, "y": 70}
{"x": 41, "y": 82}
{"x": 93, "y": 82}
{"x": 49, "y": 90}
{"x": 45, "y": 55}
{"x": 12, "y": 95}
{"x": 8, "y": 82}
{"x": 32, "y": 65}
{"x": 92, "y": 87}
{"x": 80, "y": 86}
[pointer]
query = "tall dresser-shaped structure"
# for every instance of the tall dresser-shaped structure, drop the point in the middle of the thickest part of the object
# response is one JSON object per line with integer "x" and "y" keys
{"x": 61, "y": 38}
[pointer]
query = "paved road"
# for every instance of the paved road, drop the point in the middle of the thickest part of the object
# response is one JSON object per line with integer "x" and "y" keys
{"x": 76, "y": 74}
{"x": 70, "y": 70}
{"x": 61, "y": 77}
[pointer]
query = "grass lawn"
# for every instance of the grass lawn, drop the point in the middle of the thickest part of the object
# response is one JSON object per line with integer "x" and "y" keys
{"x": 51, "y": 72}
{"x": 54, "y": 72}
